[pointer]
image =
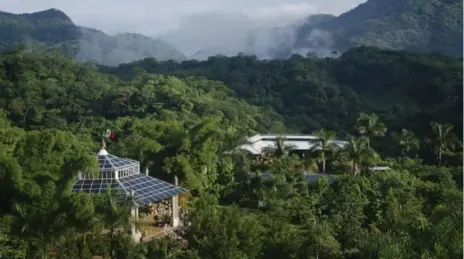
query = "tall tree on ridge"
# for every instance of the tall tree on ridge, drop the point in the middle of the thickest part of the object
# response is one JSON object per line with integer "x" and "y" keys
{"x": 444, "y": 141}
{"x": 370, "y": 126}
{"x": 324, "y": 145}
{"x": 406, "y": 140}
{"x": 358, "y": 152}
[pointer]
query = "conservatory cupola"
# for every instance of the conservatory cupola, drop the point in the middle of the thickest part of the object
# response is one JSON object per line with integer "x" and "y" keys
{"x": 123, "y": 175}
{"x": 113, "y": 167}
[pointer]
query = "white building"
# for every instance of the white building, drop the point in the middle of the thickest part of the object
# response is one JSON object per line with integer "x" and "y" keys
{"x": 123, "y": 176}
{"x": 258, "y": 144}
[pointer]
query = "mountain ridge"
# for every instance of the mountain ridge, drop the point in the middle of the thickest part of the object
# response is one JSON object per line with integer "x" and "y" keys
{"x": 412, "y": 25}
{"x": 52, "y": 29}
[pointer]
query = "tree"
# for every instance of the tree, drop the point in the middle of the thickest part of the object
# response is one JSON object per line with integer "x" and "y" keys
{"x": 234, "y": 138}
{"x": 406, "y": 141}
{"x": 114, "y": 214}
{"x": 40, "y": 167}
{"x": 164, "y": 249}
{"x": 282, "y": 239}
{"x": 279, "y": 149}
{"x": 370, "y": 126}
{"x": 324, "y": 145}
{"x": 443, "y": 141}
{"x": 358, "y": 152}
{"x": 223, "y": 232}
{"x": 320, "y": 242}
{"x": 178, "y": 122}
{"x": 83, "y": 219}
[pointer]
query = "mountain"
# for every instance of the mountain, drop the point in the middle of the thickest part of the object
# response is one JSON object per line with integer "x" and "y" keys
{"x": 413, "y": 25}
{"x": 47, "y": 27}
{"x": 121, "y": 48}
{"x": 405, "y": 89}
{"x": 52, "y": 29}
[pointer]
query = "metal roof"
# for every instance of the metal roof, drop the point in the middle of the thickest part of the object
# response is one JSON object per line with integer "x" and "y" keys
{"x": 110, "y": 162}
{"x": 259, "y": 143}
{"x": 146, "y": 189}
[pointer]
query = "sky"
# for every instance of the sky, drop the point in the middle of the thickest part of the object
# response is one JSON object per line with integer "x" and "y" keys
{"x": 217, "y": 21}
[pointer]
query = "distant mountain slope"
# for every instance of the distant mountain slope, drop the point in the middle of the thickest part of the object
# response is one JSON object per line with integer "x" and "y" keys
{"x": 414, "y": 25}
{"x": 49, "y": 27}
{"x": 121, "y": 48}
{"x": 53, "y": 29}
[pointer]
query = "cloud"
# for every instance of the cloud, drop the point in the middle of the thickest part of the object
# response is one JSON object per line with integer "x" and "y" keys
{"x": 211, "y": 26}
{"x": 251, "y": 31}
{"x": 155, "y": 16}
{"x": 281, "y": 14}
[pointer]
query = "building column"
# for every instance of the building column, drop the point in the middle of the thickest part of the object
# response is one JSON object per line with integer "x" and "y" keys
{"x": 136, "y": 235}
{"x": 175, "y": 220}
{"x": 136, "y": 213}
{"x": 135, "y": 208}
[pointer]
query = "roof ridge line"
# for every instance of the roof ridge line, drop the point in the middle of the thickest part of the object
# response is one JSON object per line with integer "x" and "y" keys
{"x": 122, "y": 186}
{"x": 111, "y": 162}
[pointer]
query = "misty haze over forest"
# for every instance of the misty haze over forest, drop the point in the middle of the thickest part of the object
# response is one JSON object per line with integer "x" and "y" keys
{"x": 198, "y": 30}
{"x": 231, "y": 33}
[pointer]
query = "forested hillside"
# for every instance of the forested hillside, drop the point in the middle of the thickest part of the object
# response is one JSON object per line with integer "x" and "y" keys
{"x": 52, "y": 30}
{"x": 183, "y": 120}
{"x": 413, "y": 25}
{"x": 404, "y": 89}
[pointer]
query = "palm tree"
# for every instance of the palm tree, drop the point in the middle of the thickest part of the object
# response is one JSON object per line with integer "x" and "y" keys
{"x": 358, "y": 152}
{"x": 280, "y": 148}
{"x": 369, "y": 125}
{"x": 406, "y": 140}
{"x": 444, "y": 140}
{"x": 324, "y": 145}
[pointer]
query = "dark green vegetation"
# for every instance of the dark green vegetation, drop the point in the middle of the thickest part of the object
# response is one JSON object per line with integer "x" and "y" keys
{"x": 54, "y": 111}
{"x": 52, "y": 30}
{"x": 404, "y": 90}
{"x": 414, "y": 25}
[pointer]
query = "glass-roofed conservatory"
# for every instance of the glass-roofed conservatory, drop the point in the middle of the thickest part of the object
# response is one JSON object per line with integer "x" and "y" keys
{"x": 124, "y": 176}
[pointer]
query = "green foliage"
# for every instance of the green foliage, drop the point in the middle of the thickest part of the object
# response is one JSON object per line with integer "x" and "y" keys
{"x": 406, "y": 141}
{"x": 404, "y": 90}
{"x": 223, "y": 232}
{"x": 413, "y": 25}
{"x": 54, "y": 112}
{"x": 444, "y": 140}
{"x": 324, "y": 146}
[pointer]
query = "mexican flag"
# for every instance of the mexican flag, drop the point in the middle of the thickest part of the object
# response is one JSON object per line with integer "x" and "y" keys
{"x": 111, "y": 135}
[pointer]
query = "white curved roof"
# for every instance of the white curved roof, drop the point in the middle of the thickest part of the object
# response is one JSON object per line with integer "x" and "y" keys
{"x": 259, "y": 143}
